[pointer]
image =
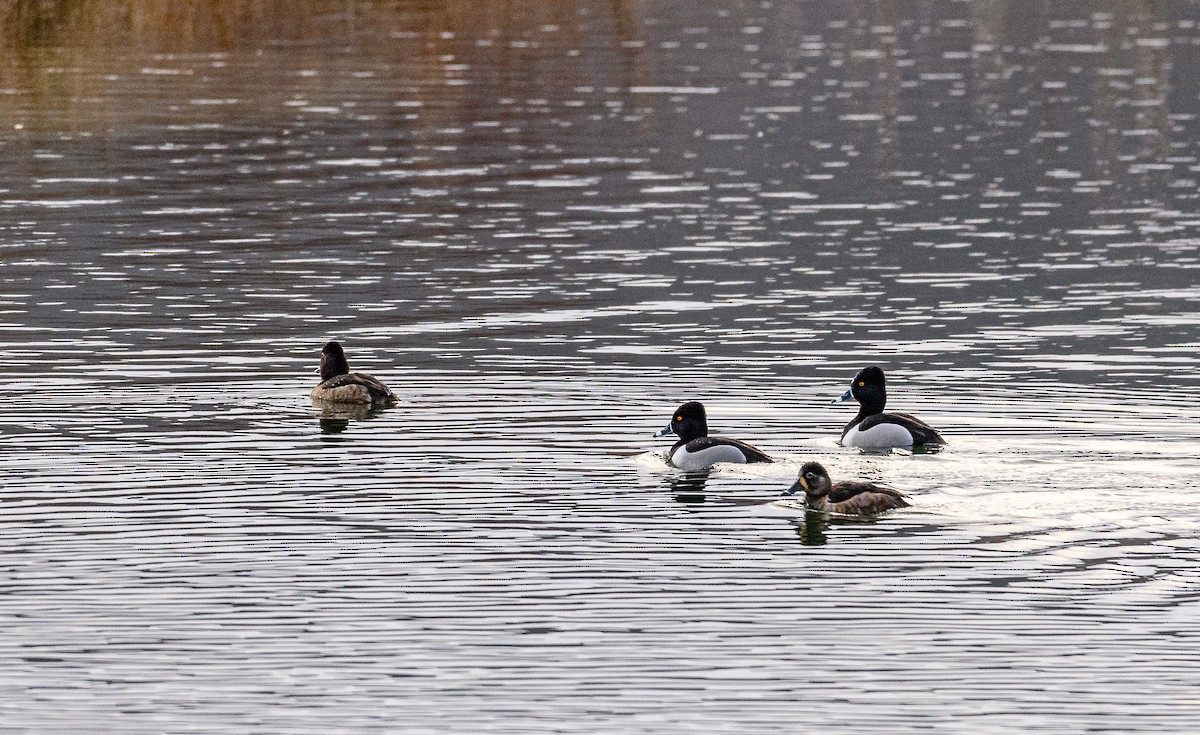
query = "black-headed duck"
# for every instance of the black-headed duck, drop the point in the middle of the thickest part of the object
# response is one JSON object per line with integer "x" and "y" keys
{"x": 696, "y": 450}
{"x": 874, "y": 429}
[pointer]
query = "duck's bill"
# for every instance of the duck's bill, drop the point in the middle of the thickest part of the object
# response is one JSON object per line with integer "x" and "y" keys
{"x": 845, "y": 397}
{"x": 664, "y": 431}
{"x": 797, "y": 489}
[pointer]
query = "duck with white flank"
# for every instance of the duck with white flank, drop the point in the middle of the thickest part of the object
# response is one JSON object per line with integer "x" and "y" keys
{"x": 696, "y": 450}
{"x": 339, "y": 385}
{"x": 874, "y": 429}
{"x": 846, "y": 498}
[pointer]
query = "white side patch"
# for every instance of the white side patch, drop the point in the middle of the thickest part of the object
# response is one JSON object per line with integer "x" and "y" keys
{"x": 879, "y": 436}
{"x": 705, "y": 458}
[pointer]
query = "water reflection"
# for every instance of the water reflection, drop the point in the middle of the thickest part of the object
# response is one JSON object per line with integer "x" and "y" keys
{"x": 335, "y": 417}
{"x": 688, "y": 487}
{"x": 478, "y": 222}
{"x": 811, "y": 527}
{"x": 692, "y": 489}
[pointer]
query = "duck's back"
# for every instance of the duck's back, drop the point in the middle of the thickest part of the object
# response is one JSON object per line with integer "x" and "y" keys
{"x": 353, "y": 388}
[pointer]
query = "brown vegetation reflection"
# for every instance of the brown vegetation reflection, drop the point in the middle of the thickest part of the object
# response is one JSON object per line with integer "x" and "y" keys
{"x": 216, "y": 25}
{"x": 65, "y": 64}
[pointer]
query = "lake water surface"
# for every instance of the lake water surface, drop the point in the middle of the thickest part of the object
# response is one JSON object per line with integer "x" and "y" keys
{"x": 545, "y": 227}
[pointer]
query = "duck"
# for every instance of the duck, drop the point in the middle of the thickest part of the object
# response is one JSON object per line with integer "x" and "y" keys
{"x": 846, "y": 498}
{"x": 696, "y": 450}
{"x": 874, "y": 429}
{"x": 339, "y": 385}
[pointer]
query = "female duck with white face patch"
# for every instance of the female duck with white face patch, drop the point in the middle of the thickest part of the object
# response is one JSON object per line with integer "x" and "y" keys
{"x": 339, "y": 385}
{"x": 874, "y": 429}
{"x": 696, "y": 450}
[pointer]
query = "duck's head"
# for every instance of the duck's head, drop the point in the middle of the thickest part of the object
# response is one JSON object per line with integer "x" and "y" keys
{"x": 333, "y": 361}
{"x": 869, "y": 388}
{"x": 813, "y": 481}
{"x": 688, "y": 422}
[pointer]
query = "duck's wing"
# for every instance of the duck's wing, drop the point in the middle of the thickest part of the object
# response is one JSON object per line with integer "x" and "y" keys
{"x": 847, "y": 490}
{"x": 922, "y": 432}
{"x": 863, "y": 498}
{"x": 752, "y": 454}
{"x": 374, "y": 387}
{"x": 379, "y": 391}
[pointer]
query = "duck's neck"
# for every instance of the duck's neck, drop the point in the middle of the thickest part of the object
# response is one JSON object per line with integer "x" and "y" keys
{"x": 816, "y": 502}
{"x": 333, "y": 366}
{"x": 870, "y": 405}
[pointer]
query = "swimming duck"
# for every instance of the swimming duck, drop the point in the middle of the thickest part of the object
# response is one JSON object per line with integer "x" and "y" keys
{"x": 340, "y": 385}
{"x": 874, "y": 429}
{"x": 847, "y": 498}
{"x": 696, "y": 450}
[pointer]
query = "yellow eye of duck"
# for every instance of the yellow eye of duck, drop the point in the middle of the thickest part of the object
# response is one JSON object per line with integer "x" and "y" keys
{"x": 861, "y": 383}
{"x": 679, "y": 418}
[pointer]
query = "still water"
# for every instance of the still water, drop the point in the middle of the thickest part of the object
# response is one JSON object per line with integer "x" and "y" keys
{"x": 545, "y": 226}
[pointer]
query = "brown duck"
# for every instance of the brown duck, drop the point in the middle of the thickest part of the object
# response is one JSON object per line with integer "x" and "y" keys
{"x": 847, "y": 498}
{"x": 339, "y": 385}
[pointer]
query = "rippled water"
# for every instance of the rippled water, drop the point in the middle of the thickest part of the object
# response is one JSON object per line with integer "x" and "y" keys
{"x": 545, "y": 227}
